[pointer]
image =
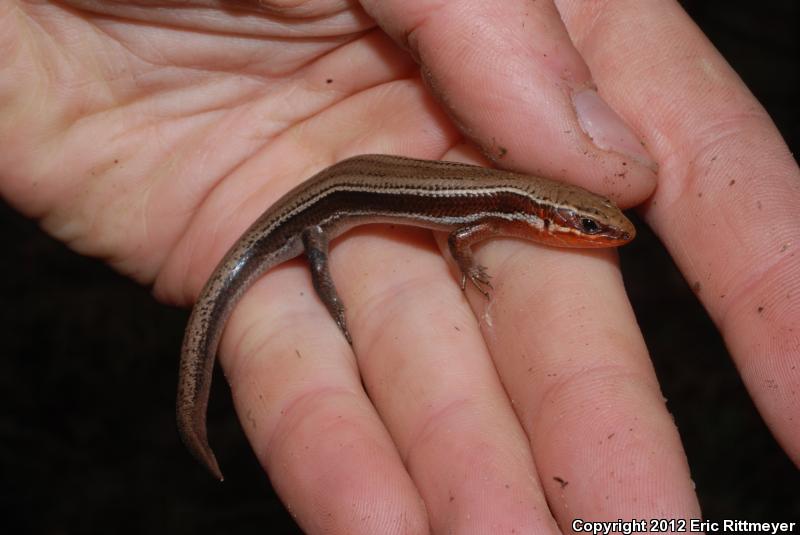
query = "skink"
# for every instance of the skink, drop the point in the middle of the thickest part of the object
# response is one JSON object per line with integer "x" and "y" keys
{"x": 472, "y": 203}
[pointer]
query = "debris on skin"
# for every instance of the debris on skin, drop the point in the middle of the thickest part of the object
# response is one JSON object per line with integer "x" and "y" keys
{"x": 560, "y": 481}
{"x": 495, "y": 152}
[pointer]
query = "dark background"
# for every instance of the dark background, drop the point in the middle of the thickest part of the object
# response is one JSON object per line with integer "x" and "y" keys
{"x": 87, "y": 379}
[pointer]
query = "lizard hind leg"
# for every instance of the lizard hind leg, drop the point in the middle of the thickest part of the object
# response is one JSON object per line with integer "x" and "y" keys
{"x": 316, "y": 244}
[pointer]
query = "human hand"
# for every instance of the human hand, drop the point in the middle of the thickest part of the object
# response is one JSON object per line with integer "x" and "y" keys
{"x": 139, "y": 242}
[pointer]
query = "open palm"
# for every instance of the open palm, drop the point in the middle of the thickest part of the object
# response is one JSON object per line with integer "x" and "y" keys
{"x": 153, "y": 135}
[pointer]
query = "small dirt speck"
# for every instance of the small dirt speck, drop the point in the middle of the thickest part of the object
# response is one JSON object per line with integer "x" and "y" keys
{"x": 772, "y": 384}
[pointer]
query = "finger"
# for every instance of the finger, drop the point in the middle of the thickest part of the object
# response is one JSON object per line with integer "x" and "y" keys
{"x": 726, "y": 205}
{"x": 298, "y": 393}
{"x": 570, "y": 355}
{"x": 430, "y": 377}
{"x": 508, "y": 74}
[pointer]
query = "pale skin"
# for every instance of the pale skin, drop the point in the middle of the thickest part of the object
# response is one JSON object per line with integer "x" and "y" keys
{"x": 154, "y": 145}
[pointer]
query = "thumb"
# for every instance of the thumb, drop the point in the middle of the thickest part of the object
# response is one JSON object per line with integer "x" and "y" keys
{"x": 510, "y": 77}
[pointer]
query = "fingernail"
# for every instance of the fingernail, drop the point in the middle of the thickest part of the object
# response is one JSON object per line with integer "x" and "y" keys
{"x": 607, "y": 129}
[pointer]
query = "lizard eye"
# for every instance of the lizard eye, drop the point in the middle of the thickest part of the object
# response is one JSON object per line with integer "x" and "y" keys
{"x": 589, "y": 226}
